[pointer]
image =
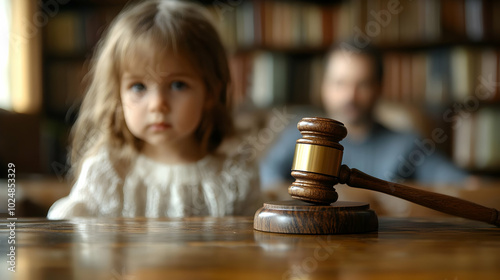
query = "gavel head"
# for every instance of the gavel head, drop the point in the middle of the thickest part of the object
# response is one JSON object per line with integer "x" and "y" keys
{"x": 317, "y": 161}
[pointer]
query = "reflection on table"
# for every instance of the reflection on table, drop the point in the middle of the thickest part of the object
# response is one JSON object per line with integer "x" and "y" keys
{"x": 229, "y": 248}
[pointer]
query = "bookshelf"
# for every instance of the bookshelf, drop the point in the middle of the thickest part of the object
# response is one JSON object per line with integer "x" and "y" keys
{"x": 435, "y": 53}
{"x": 441, "y": 59}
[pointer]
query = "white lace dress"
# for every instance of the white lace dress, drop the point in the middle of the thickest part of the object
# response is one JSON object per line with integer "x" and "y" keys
{"x": 213, "y": 186}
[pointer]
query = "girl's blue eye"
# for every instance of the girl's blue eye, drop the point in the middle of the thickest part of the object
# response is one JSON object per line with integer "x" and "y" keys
{"x": 138, "y": 87}
{"x": 178, "y": 85}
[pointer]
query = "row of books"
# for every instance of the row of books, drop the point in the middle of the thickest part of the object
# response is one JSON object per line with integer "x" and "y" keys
{"x": 477, "y": 139}
{"x": 442, "y": 76}
{"x": 436, "y": 77}
{"x": 273, "y": 79}
{"x": 292, "y": 24}
{"x": 278, "y": 24}
{"x": 74, "y": 32}
{"x": 300, "y": 24}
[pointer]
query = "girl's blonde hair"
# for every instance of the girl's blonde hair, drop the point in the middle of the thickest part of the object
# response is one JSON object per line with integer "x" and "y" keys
{"x": 146, "y": 31}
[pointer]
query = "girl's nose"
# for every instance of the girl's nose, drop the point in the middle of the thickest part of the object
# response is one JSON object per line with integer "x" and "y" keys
{"x": 158, "y": 101}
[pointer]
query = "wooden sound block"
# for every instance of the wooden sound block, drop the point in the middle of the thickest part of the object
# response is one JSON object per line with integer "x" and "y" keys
{"x": 294, "y": 216}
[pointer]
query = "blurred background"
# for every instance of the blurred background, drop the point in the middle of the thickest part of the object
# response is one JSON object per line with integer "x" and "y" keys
{"x": 441, "y": 63}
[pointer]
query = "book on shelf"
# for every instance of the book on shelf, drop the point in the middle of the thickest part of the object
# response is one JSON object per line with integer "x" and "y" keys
{"x": 240, "y": 67}
{"x": 442, "y": 76}
{"x": 418, "y": 80}
{"x": 267, "y": 85}
{"x": 453, "y": 17}
{"x": 488, "y": 139}
{"x": 73, "y": 32}
{"x": 477, "y": 139}
{"x": 438, "y": 77}
{"x": 63, "y": 33}
{"x": 274, "y": 79}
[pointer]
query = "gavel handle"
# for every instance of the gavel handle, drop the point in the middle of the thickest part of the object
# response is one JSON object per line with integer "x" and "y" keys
{"x": 440, "y": 202}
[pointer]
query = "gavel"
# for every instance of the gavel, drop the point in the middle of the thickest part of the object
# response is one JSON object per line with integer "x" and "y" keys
{"x": 317, "y": 167}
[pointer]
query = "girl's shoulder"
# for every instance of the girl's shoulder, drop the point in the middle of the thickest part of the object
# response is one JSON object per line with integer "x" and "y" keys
{"x": 99, "y": 157}
{"x": 100, "y": 165}
{"x": 96, "y": 161}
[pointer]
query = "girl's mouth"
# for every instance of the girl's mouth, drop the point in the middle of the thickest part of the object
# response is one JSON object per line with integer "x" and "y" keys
{"x": 160, "y": 126}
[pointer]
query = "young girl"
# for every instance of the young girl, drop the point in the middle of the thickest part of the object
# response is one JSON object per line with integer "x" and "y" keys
{"x": 153, "y": 117}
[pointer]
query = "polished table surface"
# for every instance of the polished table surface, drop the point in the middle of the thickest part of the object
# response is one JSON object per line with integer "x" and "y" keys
{"x": 229, "y": 248}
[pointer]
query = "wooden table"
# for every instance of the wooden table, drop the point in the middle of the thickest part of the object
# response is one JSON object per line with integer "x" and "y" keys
{"x": 228, "y": 248}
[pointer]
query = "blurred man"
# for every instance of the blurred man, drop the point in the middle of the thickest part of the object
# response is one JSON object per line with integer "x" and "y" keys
{"x": 350, "y": 90}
